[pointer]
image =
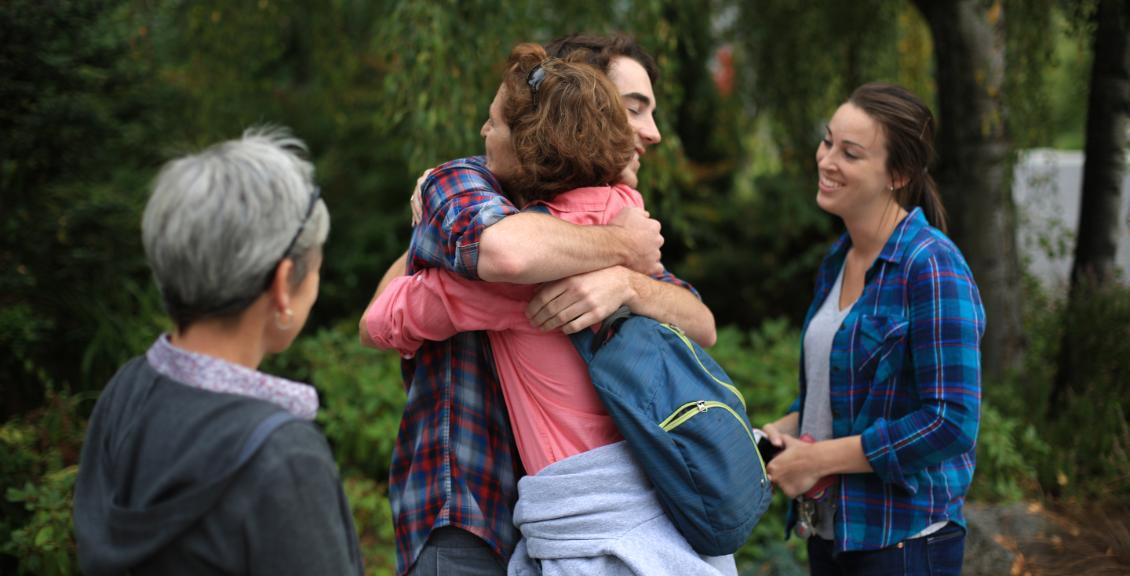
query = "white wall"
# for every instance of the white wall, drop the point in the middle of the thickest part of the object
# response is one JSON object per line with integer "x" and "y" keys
{"x": 1046, "y": 189}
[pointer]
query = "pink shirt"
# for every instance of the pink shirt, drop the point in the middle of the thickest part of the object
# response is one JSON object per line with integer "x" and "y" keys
{"x": 554, "y": 409}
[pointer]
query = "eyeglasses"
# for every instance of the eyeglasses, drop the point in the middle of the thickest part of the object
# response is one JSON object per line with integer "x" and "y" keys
{"x": 315, "y": 194}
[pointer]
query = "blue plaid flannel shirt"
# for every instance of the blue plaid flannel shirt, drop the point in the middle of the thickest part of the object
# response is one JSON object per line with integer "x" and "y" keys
{"x": 906, "y": 377}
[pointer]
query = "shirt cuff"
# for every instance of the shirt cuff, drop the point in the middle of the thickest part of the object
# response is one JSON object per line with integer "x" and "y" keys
{"x": 884, "y": 460}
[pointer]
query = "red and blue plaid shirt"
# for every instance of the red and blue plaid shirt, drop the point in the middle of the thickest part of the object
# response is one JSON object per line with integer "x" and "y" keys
{"x": 906, "y": 377}
{"x": 453, "y": 463}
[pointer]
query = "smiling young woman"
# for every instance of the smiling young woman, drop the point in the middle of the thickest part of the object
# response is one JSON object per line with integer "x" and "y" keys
{"x": 890, "y": 366}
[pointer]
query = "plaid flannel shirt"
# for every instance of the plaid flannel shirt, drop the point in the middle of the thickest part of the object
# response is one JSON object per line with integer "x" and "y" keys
{"x": 452, "y": 463}
{"x": 455, "y": 465}
{"x": 906, "y": 377}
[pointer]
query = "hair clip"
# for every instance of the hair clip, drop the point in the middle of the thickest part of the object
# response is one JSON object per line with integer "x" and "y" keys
{"x": 535, "y": 78}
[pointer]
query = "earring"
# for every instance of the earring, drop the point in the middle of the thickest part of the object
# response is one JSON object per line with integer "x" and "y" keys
{"x": 891, "y": 188}
{"x": 288, "y": 314}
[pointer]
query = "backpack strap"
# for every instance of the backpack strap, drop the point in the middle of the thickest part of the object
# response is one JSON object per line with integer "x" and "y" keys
{"x": 609, "y": 326}
{"x": 260, "y": 434}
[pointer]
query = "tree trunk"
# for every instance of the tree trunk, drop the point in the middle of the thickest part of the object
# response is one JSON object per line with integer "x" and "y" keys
{"x": 1108, "y": 118}
{"x": 1108, "y": 130}
{"x": 973, "y": 171}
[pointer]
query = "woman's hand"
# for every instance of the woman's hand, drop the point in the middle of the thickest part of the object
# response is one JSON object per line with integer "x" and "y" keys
{"x": 796, "y": 468}
{"x": 801, "y": 465}
{"x": 786, "y": 426}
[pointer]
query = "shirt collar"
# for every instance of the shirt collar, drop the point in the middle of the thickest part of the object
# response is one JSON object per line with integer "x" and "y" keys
{"x": 895, "y": 248}
{"x": 216, "y": 375}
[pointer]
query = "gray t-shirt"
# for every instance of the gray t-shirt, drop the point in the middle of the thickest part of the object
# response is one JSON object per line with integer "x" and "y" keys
{"x": 818, "y": 400}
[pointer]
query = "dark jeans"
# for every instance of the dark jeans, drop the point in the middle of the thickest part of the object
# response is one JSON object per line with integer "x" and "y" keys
{"x": 939, "y": 554}
{"x": 457, "y": 552}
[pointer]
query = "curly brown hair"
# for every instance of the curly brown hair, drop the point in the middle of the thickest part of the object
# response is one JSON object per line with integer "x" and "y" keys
{"x": 573, "y": 132}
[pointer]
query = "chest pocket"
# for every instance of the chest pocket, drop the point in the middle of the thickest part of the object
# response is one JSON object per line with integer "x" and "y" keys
{"x": 880, "y": 347}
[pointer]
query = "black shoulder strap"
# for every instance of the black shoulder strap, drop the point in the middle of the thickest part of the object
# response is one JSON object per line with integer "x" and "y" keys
{"x": 609, "y": 326}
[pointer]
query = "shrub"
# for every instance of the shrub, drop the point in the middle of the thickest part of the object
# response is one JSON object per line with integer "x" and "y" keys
{"x": 38, "y": 453}
{"x": 45, "y": 543}
{"x": 373, "y": 518}
{"x": 1007, "y": 452}
{"x": 1079, "y": 447}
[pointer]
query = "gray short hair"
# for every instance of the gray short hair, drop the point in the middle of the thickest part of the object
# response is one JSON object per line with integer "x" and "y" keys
{"x": 218, "y": 222}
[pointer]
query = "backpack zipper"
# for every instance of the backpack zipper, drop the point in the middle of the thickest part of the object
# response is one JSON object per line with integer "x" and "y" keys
{"x": 692, "y": 409}
{"x": 682, "y": 336}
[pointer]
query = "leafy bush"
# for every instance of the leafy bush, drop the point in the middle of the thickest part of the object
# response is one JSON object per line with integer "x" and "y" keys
{"x": 1079, "y": 447}
{"x": 1007, "y": 449}
{"x": 38, "y": 453}
{"x": 45, "y": 544}
{"x": 373, "y": 518}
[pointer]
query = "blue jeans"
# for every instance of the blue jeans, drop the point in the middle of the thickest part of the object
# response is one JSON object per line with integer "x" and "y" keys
{"x": 457, "y": 552}
{"x": 939, "y": 554}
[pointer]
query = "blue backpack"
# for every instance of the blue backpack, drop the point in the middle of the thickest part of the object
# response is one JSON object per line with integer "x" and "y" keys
{"x": 685, "y": 423}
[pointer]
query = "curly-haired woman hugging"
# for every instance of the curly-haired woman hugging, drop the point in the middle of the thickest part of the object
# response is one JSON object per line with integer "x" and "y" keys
{"x": 557, "y": 137}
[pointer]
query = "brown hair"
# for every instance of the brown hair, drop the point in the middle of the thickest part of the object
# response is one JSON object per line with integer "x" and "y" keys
{"x": 600, "y": 50}
{"x": 572, "y": 132}
{"x": 909, "y": 127}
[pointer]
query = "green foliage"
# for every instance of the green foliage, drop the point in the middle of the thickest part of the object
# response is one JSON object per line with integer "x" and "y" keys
{"x": 38, "y": 453}
{"x": 81, "y": 106}
{"x": 372, "y": 517}
{"x": 1046, "y": 79}
{"x": 1007, "y": 453}
{"x": 766, "y": 248}
{"x": 98, "y": 94}
{"x": 1090, "y": 429}
{"x": 1077, "y": 449}
{"x": 45, "y": 544}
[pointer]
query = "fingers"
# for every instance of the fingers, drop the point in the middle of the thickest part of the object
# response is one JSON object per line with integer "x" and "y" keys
{"x": 562, "y": 313}
{"x": 643, "y": 239}
{"x": 416, "y": 201}
{"x": 541, "y": 307}
{"x": 774, "y": 435}
{"x": 576, "y": 303}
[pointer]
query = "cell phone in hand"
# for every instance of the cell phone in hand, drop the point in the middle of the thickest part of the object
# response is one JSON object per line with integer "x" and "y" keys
{"x": 767, "y": 449}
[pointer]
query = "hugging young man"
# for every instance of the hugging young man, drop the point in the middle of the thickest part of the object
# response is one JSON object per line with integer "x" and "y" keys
{"x": 453, "y": 476}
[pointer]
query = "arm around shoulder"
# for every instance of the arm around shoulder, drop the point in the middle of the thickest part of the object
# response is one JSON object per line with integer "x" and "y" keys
{"x": 529, "y": 248}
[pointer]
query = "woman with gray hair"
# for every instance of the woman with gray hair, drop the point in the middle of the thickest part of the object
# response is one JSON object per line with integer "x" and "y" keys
{"x": 195, "y": 462}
